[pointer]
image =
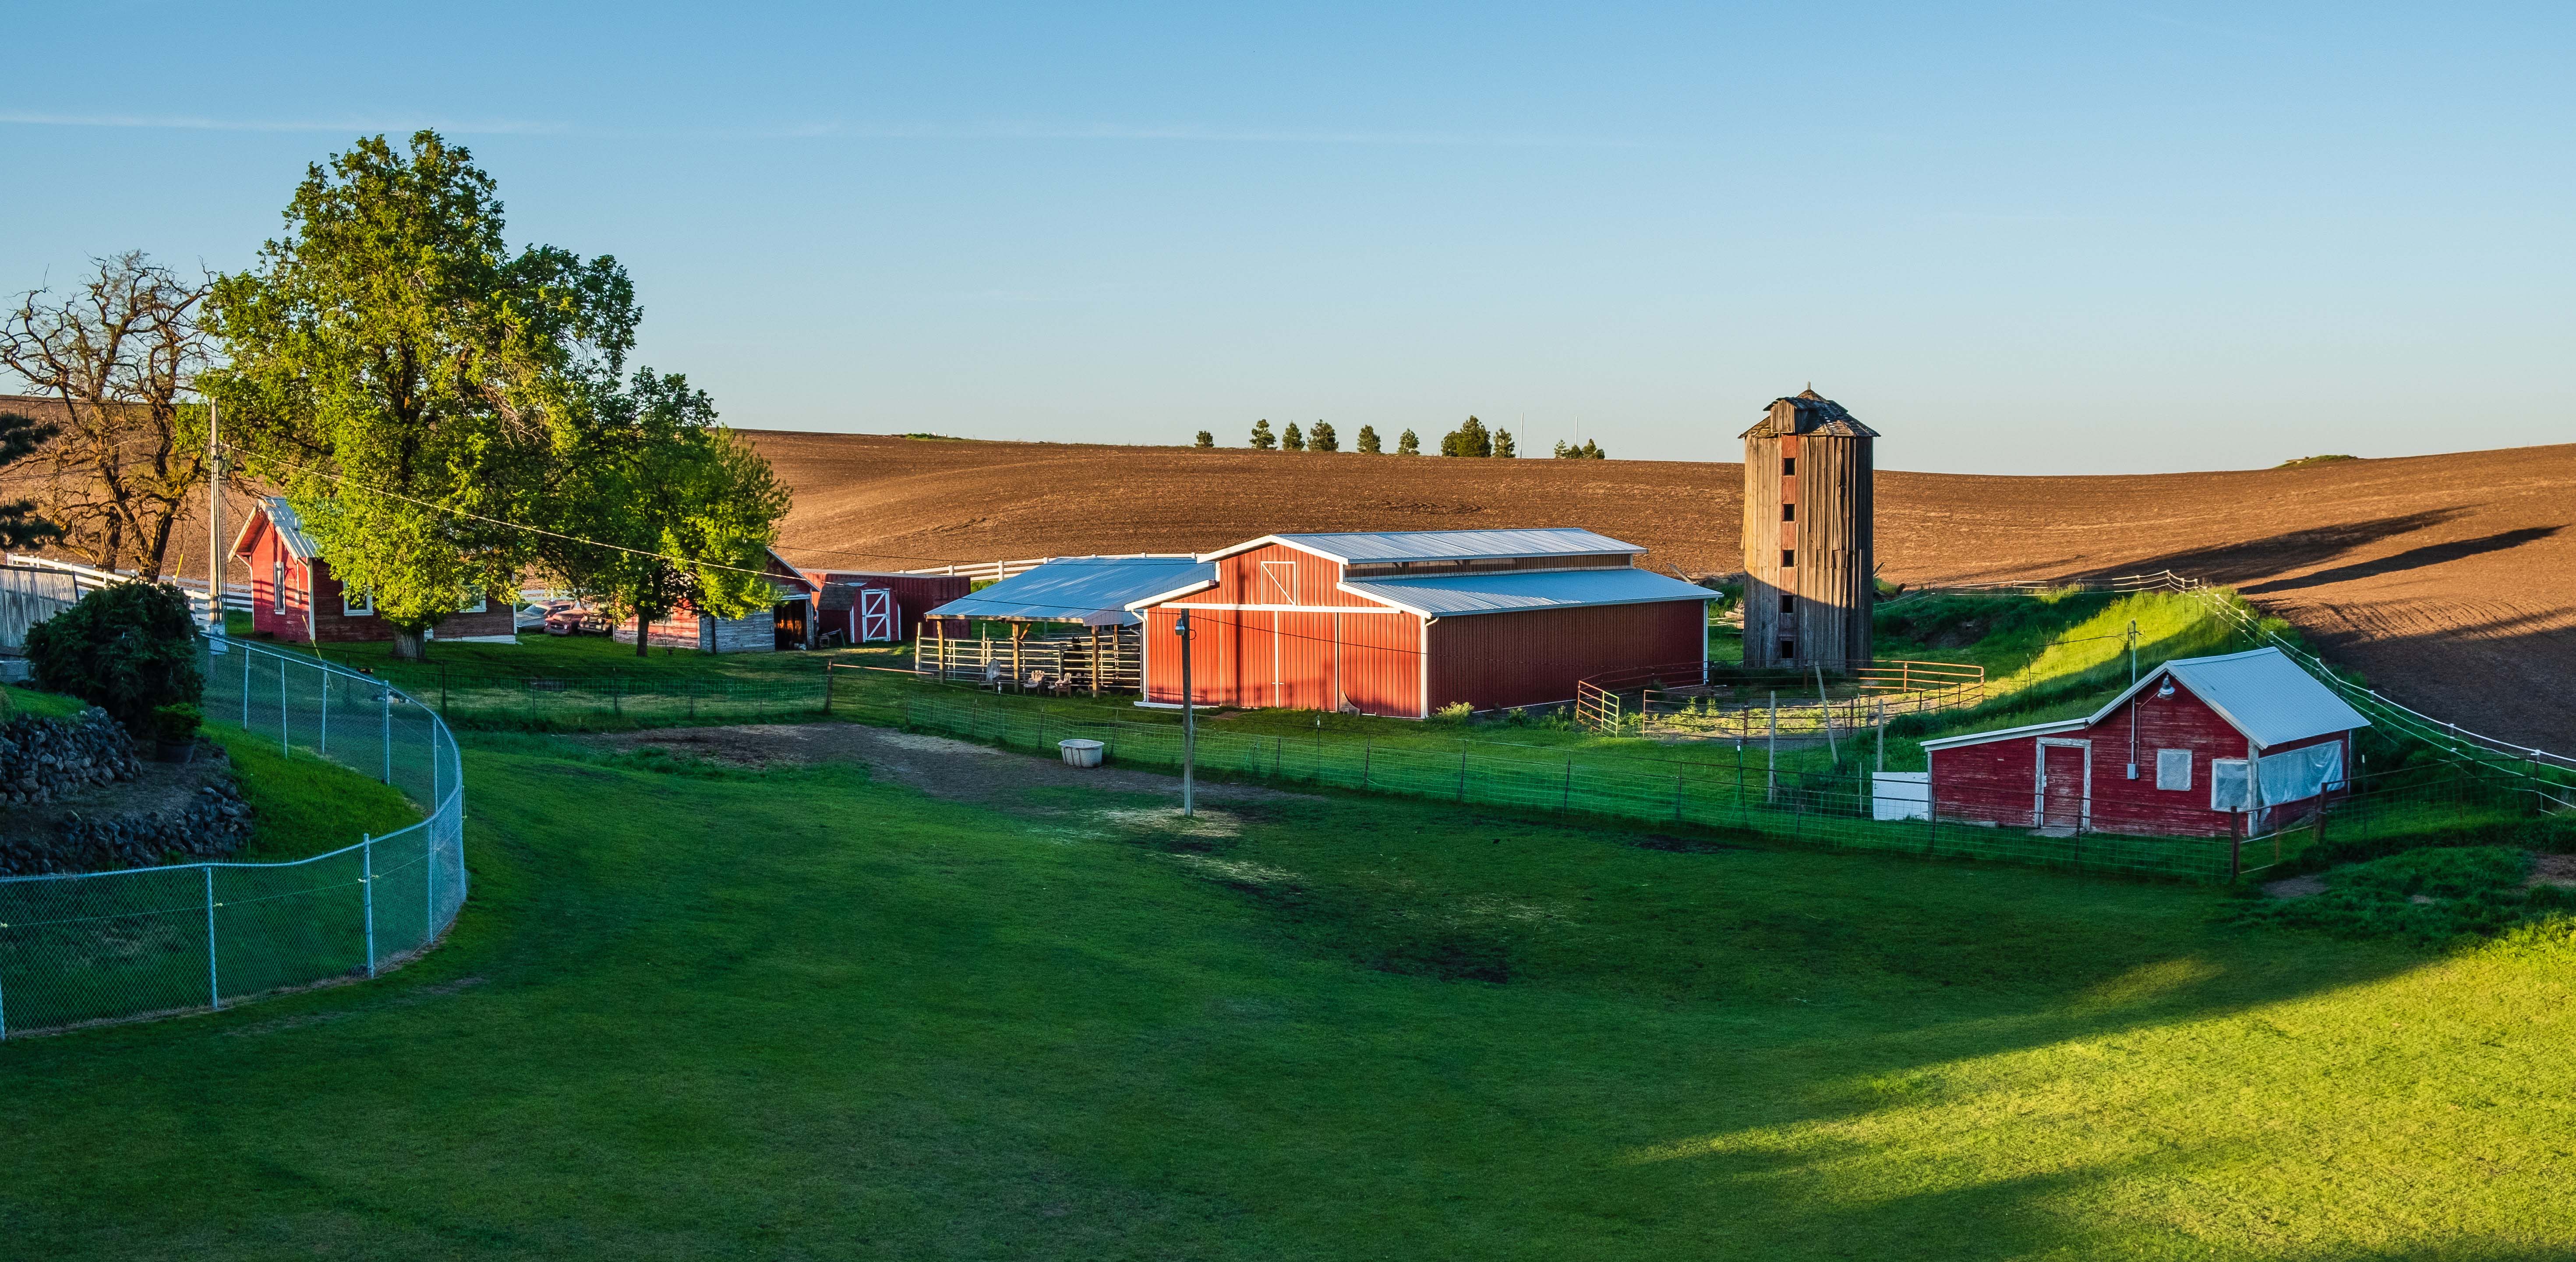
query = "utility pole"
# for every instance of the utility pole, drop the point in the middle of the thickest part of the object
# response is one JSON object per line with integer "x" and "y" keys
{"x": 1189, "y": 721}
{"x": 2133, "y": 651}
{"x": 214, "y": 524}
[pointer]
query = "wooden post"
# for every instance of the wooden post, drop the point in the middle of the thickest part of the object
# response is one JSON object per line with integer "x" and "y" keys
{"x": 1018, "y": 631}
{"x": 1095, "y": 662}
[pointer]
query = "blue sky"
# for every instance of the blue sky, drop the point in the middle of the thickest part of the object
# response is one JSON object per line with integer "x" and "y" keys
{"x": 2016, "y": 239}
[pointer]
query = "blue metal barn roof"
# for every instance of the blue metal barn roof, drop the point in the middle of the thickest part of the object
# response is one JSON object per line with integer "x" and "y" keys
{"x": 1509, "y": 592}
{"x": 1365, "y": 546}
{"x": 1093, "y": 591}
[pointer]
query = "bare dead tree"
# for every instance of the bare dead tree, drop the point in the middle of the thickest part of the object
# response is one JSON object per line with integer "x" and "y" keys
{"x": 121, "y": 354}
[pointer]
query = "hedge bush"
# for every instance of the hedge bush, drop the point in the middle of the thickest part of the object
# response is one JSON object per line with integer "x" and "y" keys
{"x": 128, "y": 649}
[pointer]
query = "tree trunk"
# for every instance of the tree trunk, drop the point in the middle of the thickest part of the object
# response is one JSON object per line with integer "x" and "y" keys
{"x": 155, "y": 562}
{"x": 643, "y": 640}
{"x": 411, "y": 644}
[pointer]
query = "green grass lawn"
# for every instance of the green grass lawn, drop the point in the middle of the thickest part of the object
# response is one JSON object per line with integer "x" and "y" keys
{"x": 800, "y": 1014}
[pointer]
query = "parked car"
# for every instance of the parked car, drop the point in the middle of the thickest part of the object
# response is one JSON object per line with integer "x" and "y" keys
{"x": 572, "y": 619}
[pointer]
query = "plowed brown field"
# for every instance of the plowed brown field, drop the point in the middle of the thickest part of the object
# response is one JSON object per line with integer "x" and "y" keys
{"x": 2450, "y": 580}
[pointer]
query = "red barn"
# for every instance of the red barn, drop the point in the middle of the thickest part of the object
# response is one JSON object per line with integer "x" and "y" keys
{"x": 295, "y": 597}
{"x": 2166, "y": 758}
{"x": 864, "y": 607}
{"x": 1406, "y": 623}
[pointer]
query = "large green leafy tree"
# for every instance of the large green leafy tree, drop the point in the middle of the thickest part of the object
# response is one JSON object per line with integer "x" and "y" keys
{"x": 667, "y": 508}
{"x": 1469, "y": 439}
{"x": 412, "y": 383}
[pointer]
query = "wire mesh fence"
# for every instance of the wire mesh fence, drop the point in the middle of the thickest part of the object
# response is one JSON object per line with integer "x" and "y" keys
{"x": 107, "y": 946}
{"x": 1841, "y": 809}
{"x": 580, "y": 700}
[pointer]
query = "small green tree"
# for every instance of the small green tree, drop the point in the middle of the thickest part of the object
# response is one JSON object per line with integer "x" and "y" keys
{"x": 128, "y": 649}
{"x": 1469, "y": 439}
{"x": 1322, "y": 438}
{"x": 1504, "y": 447}
{"x": 689, "y": 508}
{"x": 20, "y": 436}
{"x": 1368, "y": 441}
{"x": 1206, "y": 442}
{"x": 1408, "y": 445}
{"x": 1262, "y": 440}
{"x": 1590, "y": 450}
{"x": 1294, "y": 439}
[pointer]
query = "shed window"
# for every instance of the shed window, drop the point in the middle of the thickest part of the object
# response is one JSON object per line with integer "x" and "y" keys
{"x": 1788, "y": 603}
{"x": 1788, "y": 512}
{"x": 1788, "y": 466}
{"x": 473, "y": 602}
{"x": 2227, "y": 784}
{"x": 1788, "y": 558}
{"x": 356, "y": 604}
{"x": 2173, "y": 768}
{"x": 277, "y": 587}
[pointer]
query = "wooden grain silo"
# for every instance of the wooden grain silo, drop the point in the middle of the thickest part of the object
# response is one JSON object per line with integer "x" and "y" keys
{"x": 1807, "y": 564}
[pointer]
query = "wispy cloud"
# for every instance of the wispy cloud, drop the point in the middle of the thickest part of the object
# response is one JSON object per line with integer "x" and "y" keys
{"x": 1003, "y": 131}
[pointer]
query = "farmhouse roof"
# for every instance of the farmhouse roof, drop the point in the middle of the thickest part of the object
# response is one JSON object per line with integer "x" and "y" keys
{"x": 2261, "y": 693}
{"x": 1093, "y": 591}
{"x": 1808, "y": 412}
{"x": 1512, "y": 591}
{"x": 280, "y": 515}
{"x": 1444, "y": 545}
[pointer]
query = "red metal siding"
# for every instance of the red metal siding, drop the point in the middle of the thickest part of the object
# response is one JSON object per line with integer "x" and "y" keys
{"x": 1302, "y": 644}
{"x": 1495, "y": 660}
{"x": 1996, "y": 782}
{"x": 265, "y": 552}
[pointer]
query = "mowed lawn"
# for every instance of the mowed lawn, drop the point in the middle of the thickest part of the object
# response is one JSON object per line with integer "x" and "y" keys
{"x": 801, "y": 1014}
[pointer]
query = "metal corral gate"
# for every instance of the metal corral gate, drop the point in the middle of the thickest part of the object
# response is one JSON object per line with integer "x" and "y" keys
{"x": 110, "y": 946}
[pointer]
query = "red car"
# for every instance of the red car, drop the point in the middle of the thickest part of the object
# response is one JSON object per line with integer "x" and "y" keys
{"x": 572, "y": 619}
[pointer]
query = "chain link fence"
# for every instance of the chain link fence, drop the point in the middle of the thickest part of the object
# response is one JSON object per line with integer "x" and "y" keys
{"x": 111, "y": 946}
{"x": 1738, "y": 794}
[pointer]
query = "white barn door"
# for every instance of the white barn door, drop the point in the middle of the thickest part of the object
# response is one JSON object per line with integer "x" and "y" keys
{"x": 876, "y": 615}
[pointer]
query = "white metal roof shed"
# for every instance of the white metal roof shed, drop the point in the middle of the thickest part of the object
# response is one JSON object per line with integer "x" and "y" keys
{"x": 1092, "y": 591}
{"x": 289, "y": 528}
{"x": 1364, "y": 546}
{"x": 2261, "y": 693}
{"x": 1511, "y": 591}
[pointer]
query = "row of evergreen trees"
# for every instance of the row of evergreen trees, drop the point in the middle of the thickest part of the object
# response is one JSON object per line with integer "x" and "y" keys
{"x": 1470, "y": 439}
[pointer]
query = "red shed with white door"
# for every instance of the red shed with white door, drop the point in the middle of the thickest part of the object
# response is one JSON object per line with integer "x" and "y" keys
{"x": 295, "y": 596}
{"x": 2167, "y": 757}
{"x": 1407, "y": 623}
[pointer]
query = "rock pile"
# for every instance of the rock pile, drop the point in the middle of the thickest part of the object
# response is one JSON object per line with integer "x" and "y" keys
{"x": 40, "y": 758}
{"x": 213, "y": 824}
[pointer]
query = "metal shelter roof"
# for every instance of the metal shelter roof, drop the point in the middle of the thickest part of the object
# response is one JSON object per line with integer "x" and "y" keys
{"x": 290, "y": 529}
{"x": 1507, "y": 592}
{"x": 2261, "y": 693}
{"x": 1365, "y": 546}
{"x": 1093, "y": 591}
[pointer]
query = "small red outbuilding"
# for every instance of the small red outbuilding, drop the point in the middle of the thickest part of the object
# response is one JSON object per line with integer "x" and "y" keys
{"x": 2166, "y": 758}
{"x": 1406, "y": 623}
{"x": 295, "y": 597}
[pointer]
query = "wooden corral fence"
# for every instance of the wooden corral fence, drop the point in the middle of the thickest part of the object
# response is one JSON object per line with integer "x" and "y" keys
{"x": 1103, "y": 659}
{"x": 1668, "y": 701}
{"x": 30, "y": 595}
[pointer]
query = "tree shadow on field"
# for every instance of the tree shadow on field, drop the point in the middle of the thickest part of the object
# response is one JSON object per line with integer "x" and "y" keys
{"x": 2263, "y": 558}
{"x": 2411, "y": 559}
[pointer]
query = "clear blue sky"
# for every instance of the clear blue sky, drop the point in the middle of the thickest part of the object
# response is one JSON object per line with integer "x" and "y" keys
{"x": 2039, "y": 238}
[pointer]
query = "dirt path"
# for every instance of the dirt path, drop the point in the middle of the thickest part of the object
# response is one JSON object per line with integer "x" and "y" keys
{"x": 950, "y": 770}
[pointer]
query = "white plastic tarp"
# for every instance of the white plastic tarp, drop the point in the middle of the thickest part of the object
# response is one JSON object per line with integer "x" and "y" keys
{"x": 2287, "y": 777}
{"x": 1900, "y": 795}
{"x": 2301, "y": 773}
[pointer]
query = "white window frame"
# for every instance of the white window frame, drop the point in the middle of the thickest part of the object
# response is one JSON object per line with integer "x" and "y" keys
{"x": 277, "y": 586}
{"x": 2169, "y": 757}
{"x": 480, "y": 601}
{"x": 361, "y": 605}
{"x": 2245, "y": 771}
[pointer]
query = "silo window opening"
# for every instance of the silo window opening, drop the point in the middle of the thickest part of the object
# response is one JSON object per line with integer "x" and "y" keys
{"x": 1788, "y": 603}
{"x": 1788, "y": 650}
{"x": 1788, "y": 466}
{"x": 1788, "y": 558}
{"x": 1788, "y": 512}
